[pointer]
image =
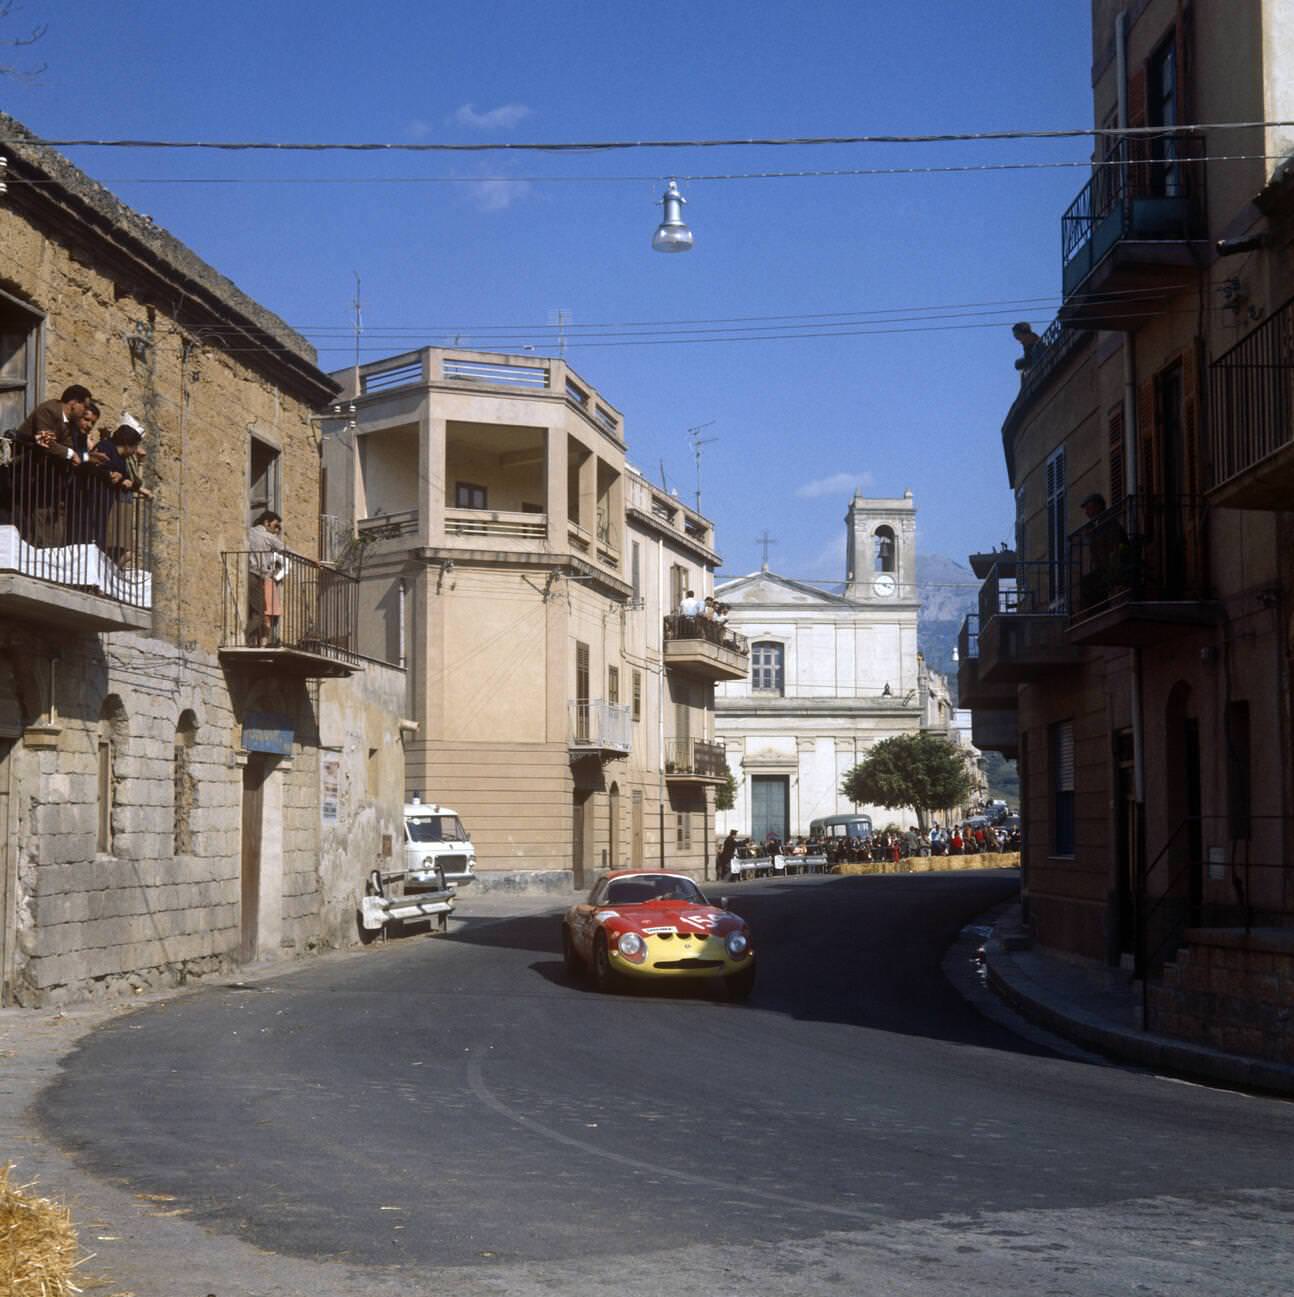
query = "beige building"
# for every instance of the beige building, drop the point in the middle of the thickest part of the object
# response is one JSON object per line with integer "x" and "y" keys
{"x": 516, "y": 564}
{"x": 1135, "y": 648}
{"x": 175, "y": 799}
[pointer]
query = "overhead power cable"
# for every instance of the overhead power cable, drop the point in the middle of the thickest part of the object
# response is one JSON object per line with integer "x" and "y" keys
{"x": 605, "y": 146}
{"x": 845, "y": 172}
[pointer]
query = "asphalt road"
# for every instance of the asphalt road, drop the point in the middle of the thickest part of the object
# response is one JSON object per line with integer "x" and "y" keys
{"x": 455, "y": 1115}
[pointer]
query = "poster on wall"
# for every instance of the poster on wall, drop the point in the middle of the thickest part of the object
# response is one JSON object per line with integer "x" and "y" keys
{"x": 329, "y": 786}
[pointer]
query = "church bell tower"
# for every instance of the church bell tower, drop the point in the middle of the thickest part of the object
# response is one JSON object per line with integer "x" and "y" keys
{"x": 880, "y": 551}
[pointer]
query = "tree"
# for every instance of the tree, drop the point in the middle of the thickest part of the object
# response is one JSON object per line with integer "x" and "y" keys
{"x": 725, "y": 796}
{"x": 7, "y": 8}
{"x": 923, "y": 771}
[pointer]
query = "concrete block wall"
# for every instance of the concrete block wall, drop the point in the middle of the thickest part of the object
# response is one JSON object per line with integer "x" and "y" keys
{"x": 1231, "y": 990}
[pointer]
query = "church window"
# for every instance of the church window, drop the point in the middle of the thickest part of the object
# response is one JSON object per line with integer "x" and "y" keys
{"x": 884, "y": 558}
{"x": 767, "y": 661}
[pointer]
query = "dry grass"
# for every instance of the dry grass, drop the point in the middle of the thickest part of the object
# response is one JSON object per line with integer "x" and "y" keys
{"x": 38, "y": 1246}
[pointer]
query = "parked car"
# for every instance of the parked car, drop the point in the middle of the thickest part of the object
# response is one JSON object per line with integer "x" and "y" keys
{"x": 649, "y": 925}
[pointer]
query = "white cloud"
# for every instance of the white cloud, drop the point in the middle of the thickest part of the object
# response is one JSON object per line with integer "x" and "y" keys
{"x": 502, "y": 118}
{"x": 836, "y": 484}
{"x": 496, "y": 195}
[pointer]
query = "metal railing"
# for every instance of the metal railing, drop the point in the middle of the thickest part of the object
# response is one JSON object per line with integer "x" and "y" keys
{"x": 72, "y": 526}
{"x": 336, "y": 535}
{"x": 695, "y": 757}
{"x": 1144, "y": 549}
{"x": 1251, "y": 393}
{"x": 968, "y": 639}
{"x": 597, "y": 724}
{"x": 1172, "y": 894}
{"x": 287, "y": 601}
{"x": 1027, "y": 589}
{"x": 388, "y": 526}
{"x": 1148, "y": 188}
{"x": 493, "y": 522}
{"x": 679, "y": 626}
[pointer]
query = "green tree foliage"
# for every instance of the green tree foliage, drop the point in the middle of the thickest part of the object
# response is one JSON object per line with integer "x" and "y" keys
{"x": 919, "y": 770}
{"x": 725, "y": 796}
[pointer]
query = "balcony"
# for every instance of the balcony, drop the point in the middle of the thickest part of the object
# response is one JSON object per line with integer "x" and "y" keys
{"x": 487, "y": 527}
{"x": 1136, "y": 574}
{"x": 1134, "y": 234}
{"x": 300, "y": 621}
{"x": 972, "y": 692}
{"x": 75, "y": 550}
{"x": 1251, "y": 423}
{"x": 996, "y": 731}
{"x": 695, "y": 761}
{"x": 703, "y": 647}
{"x": 1023, "y": 625}
{"x": 600, "y": 728}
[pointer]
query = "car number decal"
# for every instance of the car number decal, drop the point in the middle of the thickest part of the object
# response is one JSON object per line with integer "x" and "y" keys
{"x": 700, "y": 920}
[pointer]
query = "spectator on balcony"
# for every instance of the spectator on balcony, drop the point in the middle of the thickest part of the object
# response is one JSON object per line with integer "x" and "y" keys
{"x": 121, "y": 455}
{"x": 266, "y": 568}
{"x": 1023, "y": 333}
{"x": 1106, "y": 552}
{"x": 691, "y": 606}
{"x": 54, "y": 425}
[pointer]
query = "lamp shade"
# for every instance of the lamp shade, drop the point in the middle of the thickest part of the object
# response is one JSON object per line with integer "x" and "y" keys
{"x": 672, "y": 235}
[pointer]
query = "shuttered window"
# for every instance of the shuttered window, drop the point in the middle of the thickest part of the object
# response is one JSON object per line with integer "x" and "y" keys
{"x": 1062, "y": 783}
{"x": 638, "y": 695}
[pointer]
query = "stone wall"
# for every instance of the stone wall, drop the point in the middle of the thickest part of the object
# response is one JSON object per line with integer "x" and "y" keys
{"x": 1229, "y": 989}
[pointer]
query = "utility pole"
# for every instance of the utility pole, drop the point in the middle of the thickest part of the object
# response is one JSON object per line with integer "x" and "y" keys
{"x": 694, "y": 435}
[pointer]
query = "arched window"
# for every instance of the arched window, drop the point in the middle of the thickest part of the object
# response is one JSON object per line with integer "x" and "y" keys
{"x": 885, "y": 551}
{"x": 186, "y": 732}
{"x": 767, "y": 662}
{"x": 112, "y": 733}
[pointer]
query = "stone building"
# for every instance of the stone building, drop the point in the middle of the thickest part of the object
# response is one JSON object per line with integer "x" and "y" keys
{"x": 1139, "y": 637}
{"x": 511, "y": 558}
{"x": 831, "y": 676}
{"x": 175, "y": 798}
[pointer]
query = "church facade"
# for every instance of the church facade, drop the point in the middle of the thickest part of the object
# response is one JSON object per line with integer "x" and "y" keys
{"x": 831, "y": 675}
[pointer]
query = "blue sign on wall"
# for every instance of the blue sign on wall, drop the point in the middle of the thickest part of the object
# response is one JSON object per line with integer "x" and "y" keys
{"x": 268, "y": 732}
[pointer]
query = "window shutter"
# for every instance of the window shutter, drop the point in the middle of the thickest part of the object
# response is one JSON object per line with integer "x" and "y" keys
{"x": 1116, "y": 455}
{"x": 1147, "y": 437}
{"x": 1065, "y": 757}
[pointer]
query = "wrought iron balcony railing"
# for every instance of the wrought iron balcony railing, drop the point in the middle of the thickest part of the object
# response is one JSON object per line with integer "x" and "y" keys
{"x": 285, "y": 601}
{"x": 698, "y": 757}
{"x": 680, "y": 627}
{"x": 597, "y": 725}
{"x": 1251, "y": 391}
{"x": 1025, "y": 589}
{"x": 72, "y": 526}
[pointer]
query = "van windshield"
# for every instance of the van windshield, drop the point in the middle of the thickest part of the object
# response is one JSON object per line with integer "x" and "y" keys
{"x": 435, "y": 828}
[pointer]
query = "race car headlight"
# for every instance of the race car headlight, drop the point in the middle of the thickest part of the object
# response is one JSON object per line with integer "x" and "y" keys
{"x": 632, "y": 947}
{"x": 737, "y": 944}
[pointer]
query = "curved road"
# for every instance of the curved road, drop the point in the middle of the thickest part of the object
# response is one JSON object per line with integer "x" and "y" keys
{"x": 457, "y": 1108}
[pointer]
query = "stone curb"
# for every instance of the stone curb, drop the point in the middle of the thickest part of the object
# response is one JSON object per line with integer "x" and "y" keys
{"x": 1047, "y": 1008}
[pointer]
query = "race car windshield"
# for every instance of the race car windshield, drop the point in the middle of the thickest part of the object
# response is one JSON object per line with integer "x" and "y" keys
{"x": 653, "y": 887}
{"x": 435, "y": 828}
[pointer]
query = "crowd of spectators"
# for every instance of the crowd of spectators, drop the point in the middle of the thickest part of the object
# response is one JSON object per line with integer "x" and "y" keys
{"x": 67, "y": 475}
{"x": 705, "y": 618}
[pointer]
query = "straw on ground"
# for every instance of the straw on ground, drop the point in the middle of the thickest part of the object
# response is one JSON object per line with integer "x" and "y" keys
{"x": 38, "y": 1246}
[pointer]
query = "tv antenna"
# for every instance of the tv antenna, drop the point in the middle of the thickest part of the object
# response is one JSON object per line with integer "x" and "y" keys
{"x": 559, "y": 319}
{"x": 694, "y": 436}
{"x": 359, "y": 327}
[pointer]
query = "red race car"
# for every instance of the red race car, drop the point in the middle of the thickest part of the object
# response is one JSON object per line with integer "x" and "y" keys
{"x": 647, "y": 924}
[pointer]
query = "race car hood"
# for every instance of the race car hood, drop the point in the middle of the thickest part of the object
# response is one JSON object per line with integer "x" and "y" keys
{"x": 670, "y": 916}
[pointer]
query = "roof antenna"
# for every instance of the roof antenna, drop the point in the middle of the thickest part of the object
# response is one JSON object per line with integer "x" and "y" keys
{"x": 694, "y": 435}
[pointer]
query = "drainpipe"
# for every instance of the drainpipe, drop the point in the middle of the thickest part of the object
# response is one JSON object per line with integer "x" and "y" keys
{"x": 660, "y": 695}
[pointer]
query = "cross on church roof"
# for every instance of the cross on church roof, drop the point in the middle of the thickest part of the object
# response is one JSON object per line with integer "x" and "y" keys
{"x": 765, "y": 540}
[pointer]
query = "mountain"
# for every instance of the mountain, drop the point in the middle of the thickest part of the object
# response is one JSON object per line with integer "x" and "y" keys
{"x": 948, "y": 591}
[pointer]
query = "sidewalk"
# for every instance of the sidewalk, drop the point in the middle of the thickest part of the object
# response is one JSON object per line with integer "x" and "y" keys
{"x": 1099, "y": 1008}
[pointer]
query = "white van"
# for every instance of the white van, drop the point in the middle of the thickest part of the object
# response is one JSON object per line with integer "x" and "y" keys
{"x": 437, "y": 848}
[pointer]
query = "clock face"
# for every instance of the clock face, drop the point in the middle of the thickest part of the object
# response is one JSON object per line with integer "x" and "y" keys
{"x": 884, "y": 585}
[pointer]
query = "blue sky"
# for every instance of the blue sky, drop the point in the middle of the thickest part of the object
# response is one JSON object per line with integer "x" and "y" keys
{"x": 799, "y": 421}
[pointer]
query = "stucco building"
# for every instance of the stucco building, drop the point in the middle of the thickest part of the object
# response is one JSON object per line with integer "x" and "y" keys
{"x": 514, "y": 561}
{"x": 175, "y": 799}
{"x": 831, "y": 675}
{"x": 1137, "y": 643}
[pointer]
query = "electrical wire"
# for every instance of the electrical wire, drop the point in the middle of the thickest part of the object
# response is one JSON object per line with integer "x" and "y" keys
{"x": 607, "y": 146}
{"x": 1090, "y": 164}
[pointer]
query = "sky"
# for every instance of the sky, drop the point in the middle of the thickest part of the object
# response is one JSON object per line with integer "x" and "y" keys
{"x": 918, "y": 278}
